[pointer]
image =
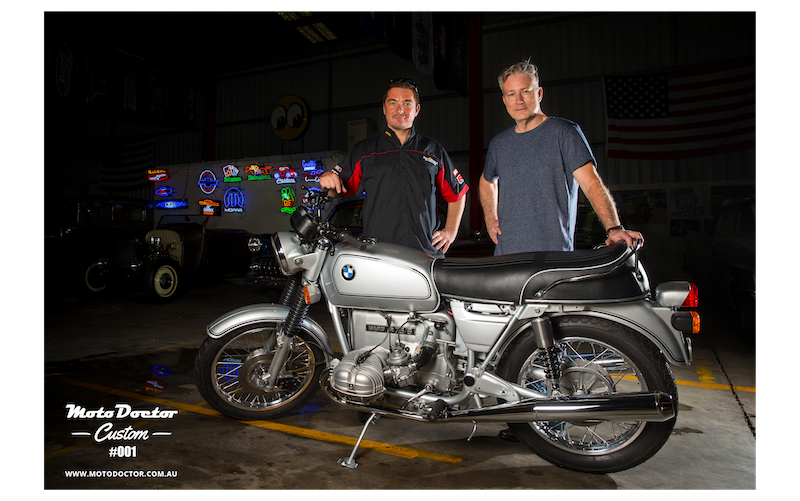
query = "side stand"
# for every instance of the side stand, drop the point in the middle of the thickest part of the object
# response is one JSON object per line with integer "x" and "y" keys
{"x": 350, "y": 462}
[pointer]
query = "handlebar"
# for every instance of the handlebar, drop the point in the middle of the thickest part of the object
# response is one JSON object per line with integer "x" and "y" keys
{"x": 345, "y": 236}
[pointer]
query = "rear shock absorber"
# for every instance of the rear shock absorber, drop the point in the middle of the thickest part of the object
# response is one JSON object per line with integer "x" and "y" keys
{"x": 543, "y": 330}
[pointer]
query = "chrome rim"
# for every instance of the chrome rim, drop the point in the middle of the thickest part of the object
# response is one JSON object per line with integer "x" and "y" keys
{"x": 241, "y": 369}
{"x": 588, "y": 367}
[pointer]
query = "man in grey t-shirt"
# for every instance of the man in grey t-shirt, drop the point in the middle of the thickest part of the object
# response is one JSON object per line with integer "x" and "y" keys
{"x": 529, "y": 186}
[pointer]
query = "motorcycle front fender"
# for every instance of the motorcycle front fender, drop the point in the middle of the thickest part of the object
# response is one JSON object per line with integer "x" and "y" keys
{"x": 255, "y": 313}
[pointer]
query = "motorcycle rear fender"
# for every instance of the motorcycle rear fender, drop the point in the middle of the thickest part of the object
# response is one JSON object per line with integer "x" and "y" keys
{"x": 653, "y": 322}
{"x": 255, "y": 313}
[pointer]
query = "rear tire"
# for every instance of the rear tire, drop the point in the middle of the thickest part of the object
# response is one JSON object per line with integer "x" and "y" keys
{"x": 598, "y": 357}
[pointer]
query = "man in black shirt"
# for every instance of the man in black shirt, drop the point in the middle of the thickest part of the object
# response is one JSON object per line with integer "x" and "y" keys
{"x": 400, "y": 171}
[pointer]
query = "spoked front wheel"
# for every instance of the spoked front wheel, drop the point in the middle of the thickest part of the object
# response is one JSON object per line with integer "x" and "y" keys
{"x": 597, "y": 357}
{"x": 232, "y": 372}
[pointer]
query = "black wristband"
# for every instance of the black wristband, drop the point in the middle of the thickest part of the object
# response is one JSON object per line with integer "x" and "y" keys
{"x": 618, "y": 227}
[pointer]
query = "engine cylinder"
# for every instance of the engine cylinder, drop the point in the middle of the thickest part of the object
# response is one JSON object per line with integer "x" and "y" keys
{"x": 360, "y": 373}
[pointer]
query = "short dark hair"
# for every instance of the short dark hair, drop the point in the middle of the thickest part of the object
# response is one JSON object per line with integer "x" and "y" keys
{"x": 402, "y": 83}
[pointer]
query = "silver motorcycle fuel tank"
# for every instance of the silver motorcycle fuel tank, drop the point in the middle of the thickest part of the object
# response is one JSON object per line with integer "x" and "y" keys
{"x": 381, "y": 277}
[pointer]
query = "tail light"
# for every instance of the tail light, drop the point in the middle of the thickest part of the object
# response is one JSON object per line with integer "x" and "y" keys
{"x": 693, "y": 298}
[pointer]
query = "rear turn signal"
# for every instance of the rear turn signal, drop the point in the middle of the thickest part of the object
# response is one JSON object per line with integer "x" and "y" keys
{"x": 686, "y": 321}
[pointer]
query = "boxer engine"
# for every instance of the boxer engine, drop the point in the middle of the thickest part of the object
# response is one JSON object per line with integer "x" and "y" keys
{"x": 399, "y": 350}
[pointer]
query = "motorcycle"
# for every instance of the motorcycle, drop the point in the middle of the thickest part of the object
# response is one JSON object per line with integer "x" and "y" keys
{"x": 571, "y": 349}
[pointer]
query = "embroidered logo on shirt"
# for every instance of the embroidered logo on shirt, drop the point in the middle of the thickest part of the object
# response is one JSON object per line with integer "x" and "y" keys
{"x": 429, "y": 160}
{"x": 458, "y": 176}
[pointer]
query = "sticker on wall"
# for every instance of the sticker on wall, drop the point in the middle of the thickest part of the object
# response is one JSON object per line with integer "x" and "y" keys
{"x": 207, "y": 182}
{"x": 289, "y": 118}
{"x": 287, "y": 197}
{"x": 233, "y": 200}
{"x": 163, "y": 191}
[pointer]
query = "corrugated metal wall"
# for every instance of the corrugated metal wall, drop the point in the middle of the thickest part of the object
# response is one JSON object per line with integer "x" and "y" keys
{"x": 573, "y": 52}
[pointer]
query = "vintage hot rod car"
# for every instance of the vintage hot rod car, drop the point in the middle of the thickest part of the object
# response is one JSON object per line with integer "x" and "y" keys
{"x": 108, "y": 243}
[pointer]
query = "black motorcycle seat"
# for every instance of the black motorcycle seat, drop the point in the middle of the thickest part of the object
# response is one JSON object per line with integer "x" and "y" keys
{"x": 528, "y": 276}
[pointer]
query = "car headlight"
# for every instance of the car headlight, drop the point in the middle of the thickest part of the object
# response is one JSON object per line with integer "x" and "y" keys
{"x": 254, "y": 244}
{"x": 280, "y": 255}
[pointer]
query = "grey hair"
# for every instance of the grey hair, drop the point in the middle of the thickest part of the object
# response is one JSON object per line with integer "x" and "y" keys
{"x": 525, "y": 67}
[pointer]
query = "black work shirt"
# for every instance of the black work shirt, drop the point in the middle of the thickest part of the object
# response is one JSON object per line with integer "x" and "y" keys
{"x": 400, "y": 182}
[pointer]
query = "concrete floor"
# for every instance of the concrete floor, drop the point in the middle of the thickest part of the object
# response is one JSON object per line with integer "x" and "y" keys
{"x": 101, "y": 351}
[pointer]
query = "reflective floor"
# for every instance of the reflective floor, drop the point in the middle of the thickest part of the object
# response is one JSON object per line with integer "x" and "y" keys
{"x": 125, "y": 362}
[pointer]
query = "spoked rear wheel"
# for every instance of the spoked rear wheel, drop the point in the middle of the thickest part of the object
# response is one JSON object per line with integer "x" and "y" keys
{"x": 232, "y": 372}
{"x": 597, "y": 358}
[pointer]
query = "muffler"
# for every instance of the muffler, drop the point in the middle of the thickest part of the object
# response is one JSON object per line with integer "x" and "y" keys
{"x": 654, "y": 406}
{"x": 630, "y": 407}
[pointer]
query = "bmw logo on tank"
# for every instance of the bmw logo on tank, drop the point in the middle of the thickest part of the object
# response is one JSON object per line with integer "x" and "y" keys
{"x": 348, "y": 272}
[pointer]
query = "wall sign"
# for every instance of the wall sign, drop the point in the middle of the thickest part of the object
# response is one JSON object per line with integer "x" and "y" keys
{"x": 163, "y": 191}
{"x": 157, "y": 175}
{"x": 285, "y": 175}
{"x": 210, "y": 207}
{"x": 256, "y": 173}
{"x": 233, "y": 200}
{"x": 231, "y": 174}
{"x": 289, "y": 118}
{"x": 207, "y": 182}
{"x": 287, "y": 197}
{"x": 172, "y": 204}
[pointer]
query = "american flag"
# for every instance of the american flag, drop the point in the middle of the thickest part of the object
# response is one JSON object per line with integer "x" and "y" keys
{"x": 125, "y": 164}
{"x": 681, "y": 114}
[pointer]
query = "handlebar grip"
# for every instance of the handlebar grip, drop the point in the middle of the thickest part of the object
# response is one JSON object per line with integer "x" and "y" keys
{"x": 345, "y": 236}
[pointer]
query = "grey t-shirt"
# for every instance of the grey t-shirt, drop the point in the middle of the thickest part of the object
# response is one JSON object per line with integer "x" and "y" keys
{"x": 538, "y": 195}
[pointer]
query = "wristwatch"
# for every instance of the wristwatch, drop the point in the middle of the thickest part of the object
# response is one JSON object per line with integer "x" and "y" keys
{"x": 618, "y": 227}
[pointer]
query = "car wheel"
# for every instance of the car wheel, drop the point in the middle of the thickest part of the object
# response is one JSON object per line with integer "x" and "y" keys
{"x": 95, "y": 277}
{"x": 163, "y": 280}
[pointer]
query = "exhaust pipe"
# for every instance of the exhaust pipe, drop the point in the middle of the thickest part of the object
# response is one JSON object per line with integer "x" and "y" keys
{"x": 655, "y": 406}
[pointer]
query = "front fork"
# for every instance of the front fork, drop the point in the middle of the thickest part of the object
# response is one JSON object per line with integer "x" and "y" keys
{"x": 292, "y": 297}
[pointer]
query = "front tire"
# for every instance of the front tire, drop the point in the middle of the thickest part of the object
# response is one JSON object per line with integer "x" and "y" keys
{"x": 163, "y": 281}
{"x": 230, "y": 372}
{"x": 597, "y": 357}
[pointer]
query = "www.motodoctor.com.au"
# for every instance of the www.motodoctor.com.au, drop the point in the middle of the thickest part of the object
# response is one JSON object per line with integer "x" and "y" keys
{"x": 109, "y": 433}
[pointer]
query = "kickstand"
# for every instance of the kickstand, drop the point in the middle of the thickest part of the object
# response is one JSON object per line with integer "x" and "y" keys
{"x": 350, "y": 462}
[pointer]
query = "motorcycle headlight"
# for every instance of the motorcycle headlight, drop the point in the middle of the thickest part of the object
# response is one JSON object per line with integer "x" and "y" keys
{"x": 280, "y": 255}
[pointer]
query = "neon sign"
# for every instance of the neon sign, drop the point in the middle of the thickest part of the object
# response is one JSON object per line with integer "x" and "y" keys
{"x": 172, "y": 204}
{"x": 256, "y": 173}
{"x": 233, "y": 200}
{"x": 285, "y": 175}
{"x": 163, "y": 191}
{"x": 287, "y": 197}
{"x": 207, "y": 182}
{"x": 210, "y": 207}
{"x": 157, "y": 175}
{"x": 231, "y": 174}
{"x": 311, "y": 171}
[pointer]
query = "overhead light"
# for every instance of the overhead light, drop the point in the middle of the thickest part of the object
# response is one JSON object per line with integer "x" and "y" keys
{"x": 310, "y": 34}
{"x": 293, "y": 16}
{"x": 327, "y": 33}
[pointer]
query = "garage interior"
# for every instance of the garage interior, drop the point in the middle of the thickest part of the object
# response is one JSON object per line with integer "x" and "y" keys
{"x": 129, "y": 96}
